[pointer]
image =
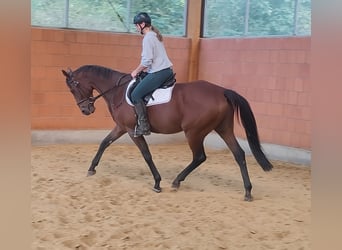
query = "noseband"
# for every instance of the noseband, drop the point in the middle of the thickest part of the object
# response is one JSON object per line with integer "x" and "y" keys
{"x": 91, "y": 99}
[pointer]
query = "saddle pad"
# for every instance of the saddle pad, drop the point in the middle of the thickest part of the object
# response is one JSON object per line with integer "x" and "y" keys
{"x": 159, "y": 95}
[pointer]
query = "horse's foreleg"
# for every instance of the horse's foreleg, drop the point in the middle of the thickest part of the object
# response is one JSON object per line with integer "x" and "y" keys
{"x": 199, "y": 157}
{"x": 144, "y": 149}
{"x": 109, "y": 139}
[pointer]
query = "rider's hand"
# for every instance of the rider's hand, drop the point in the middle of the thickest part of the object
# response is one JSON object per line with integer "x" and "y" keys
{"x": 134, "y": 73}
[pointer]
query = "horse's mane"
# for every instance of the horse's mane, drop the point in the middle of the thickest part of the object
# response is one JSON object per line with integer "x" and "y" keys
{"x": 98, "y": 70}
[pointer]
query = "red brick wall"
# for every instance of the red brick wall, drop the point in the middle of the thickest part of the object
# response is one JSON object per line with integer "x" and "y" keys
{"x": 274, "y": 75}
{"x": 52, "y": 105}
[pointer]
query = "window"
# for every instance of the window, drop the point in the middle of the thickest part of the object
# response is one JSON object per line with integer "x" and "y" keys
{"x": 222, "y": 18}
{"x": 48, "y": 13}
{"x": 109, "y": 15}
{"x": 227, "y": 18}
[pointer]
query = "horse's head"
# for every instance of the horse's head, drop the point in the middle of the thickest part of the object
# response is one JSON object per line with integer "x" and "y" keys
{"x": 83, "y": 93}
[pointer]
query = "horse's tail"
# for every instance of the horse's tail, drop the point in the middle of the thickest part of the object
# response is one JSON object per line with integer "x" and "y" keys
{"x": 242, "y": 107}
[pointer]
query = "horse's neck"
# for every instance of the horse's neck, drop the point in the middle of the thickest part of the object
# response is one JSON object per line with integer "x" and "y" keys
{"x": 113, "y": 88}
{"x": 101, "y": 84}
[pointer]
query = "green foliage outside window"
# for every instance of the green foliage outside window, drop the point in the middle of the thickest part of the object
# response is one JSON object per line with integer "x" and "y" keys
{"x": 222, "y": 18}
{"x": 108, "y": 15}
{"x": 257, "y": 17}
{"x": 50, "y": 13}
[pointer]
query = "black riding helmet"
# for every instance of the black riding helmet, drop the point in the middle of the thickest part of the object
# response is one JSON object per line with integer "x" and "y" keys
{"x": 140, "y": 18}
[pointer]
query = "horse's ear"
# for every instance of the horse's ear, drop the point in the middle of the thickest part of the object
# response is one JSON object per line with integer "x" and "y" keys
{"x": 65, "y": 73}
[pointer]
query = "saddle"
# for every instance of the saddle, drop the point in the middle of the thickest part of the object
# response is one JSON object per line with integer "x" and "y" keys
{"x": 170, "y": 82}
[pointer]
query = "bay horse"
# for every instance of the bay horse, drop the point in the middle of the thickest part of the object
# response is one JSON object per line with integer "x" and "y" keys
{"x": 196, "y": 108}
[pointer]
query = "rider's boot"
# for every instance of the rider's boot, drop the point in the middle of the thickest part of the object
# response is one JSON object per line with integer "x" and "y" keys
{"x": 143, "y": 125}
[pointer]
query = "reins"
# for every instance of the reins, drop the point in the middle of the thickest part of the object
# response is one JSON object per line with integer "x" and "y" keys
{"x": 93, "y": 99}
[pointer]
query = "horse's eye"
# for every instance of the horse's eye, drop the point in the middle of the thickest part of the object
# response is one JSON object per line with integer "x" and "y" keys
{"x": 75, "y": 83}
{"x": 72, "y": 83}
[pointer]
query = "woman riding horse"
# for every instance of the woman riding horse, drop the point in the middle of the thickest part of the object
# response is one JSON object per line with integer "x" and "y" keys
{"x": 155, "y": 62}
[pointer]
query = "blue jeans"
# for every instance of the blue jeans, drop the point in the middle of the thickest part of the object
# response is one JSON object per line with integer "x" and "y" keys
{"x": 150, "y": 82}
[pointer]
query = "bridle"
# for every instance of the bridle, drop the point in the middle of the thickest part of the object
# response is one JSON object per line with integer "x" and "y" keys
{"x": 92, "y": 99}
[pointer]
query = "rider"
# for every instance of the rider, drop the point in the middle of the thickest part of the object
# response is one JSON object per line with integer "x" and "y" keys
{"x": 155, "y": 62}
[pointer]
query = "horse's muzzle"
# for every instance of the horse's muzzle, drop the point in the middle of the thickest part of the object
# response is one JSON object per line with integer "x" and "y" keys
{"x": 87, "y": 109}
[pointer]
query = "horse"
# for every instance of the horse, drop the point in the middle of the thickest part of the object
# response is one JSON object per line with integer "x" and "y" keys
{"x": 196, "y": 108}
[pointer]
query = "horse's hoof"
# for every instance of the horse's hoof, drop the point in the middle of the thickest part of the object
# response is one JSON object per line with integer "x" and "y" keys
{"x": 157, "y": 190}
{"x": 175, "y": 185}
{"x": 90, "y": 173}
{"x": 248, "y": 198}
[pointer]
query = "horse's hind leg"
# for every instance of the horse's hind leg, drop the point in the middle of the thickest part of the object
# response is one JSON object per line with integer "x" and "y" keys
{"x": 143, "y": 147}
{"x": 239, "y": 156}
{"x": 109, "y": 139}
{"x": 198, "y": 154}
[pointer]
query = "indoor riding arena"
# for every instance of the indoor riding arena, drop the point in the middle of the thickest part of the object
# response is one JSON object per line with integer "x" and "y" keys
{"x": 266, "y": 60}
